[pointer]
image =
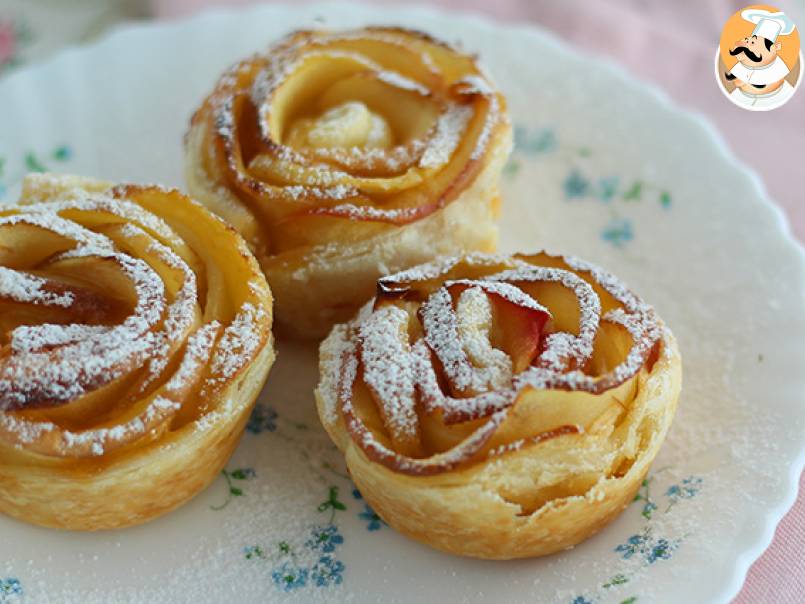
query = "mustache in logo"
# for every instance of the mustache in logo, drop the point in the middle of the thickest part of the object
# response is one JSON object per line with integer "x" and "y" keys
{"x": 750, "y": 55}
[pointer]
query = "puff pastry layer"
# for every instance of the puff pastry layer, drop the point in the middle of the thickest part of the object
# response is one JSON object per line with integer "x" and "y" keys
{"x": 134, "y": 338}
{"x": 341, "y": 156}
{"x": 500, "y": 407}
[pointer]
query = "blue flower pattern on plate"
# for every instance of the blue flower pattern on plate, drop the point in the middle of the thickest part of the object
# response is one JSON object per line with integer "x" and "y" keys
{"x": 576, "y": 186}
{"x": 289, "y": 577}
{"x": 314, "y": 562}
{"x": 618, "y": 232}
{"x": 687, "y": 489}
{"x": 579, "y": 186}
{"x": 607, "y": 188}
{"x": 648, "y": 547}
{"x": 327, "y": 571}
{"x": 542, "y": 140}
{"x": 373, "y": 521}
{"x": 10, "y": 590}
{"x": 324, "y": 538}
{"x": 262, "y": 419}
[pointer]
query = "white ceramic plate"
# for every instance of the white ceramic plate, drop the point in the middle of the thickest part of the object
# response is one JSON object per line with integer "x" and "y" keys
{"x": 605, "y": 168}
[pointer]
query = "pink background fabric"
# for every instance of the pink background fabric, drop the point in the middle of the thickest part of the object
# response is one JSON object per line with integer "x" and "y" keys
{"x": 672, "y": 44}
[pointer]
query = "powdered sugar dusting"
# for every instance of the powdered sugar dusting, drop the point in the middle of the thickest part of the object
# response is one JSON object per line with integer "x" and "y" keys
{"x": 474, "y": 315}
{"x": 238, "y": 343}
{"x": 54, "y": 364}
{"x": 323, "y": 172}
{"x": 48, "y": 220}
{"x": 389, "y": 372}
{"x": 504, "y": 290}
{"x": 442, "y": 335}
{"x": 475, "y": 84}
{"x": 180, "y": 314}
{"x": 23, "y": 287}
{"x": 57, "y": 375}
{"x": 162, "y": 407}
{"x": 196, "y": 355}
{"x": 448, "y": 132}
{"x": 472, "y": 379}
{"x": 334, "y": 349}
{"x": 98, "y": 441}
{"x": 399, "y": 81}
{"x": 442, "y": 267}
{"x": 355, "y": 212}
{"x": 31, "y": 338}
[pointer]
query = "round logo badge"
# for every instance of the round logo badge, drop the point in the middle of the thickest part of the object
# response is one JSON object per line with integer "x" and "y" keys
{"x": 759, "y": 62}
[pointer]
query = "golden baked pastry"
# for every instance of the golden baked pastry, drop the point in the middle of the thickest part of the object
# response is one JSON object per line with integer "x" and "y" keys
{"x": 500, "y": 407}
{"x": 343, "y": 156}
{"x": 135, "y": 334}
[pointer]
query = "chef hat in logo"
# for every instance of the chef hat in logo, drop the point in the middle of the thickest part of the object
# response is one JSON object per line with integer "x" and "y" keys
{"x": 752, "y": 74}
{"x": 768, "y": 25}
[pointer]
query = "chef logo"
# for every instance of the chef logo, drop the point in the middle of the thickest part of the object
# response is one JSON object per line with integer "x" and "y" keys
{"x": 759, "y": 63}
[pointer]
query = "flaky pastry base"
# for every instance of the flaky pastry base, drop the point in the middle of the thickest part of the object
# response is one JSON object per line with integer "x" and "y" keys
{"x": 160, "y": 472}
{"x": 132, "y": 489}
{"x": 465, "y": 511}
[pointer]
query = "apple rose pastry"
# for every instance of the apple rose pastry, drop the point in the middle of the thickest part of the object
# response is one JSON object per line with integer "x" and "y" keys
{"x": 341, "y": 157}
{"x": 134, "y": 338}
{"x": 500, "y": 407}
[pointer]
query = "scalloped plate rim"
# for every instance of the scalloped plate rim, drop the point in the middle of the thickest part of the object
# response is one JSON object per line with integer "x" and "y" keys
{"x": 796, "y": 466}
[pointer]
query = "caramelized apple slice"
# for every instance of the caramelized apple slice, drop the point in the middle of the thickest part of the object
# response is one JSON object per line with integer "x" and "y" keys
{"x": 496, "y": 375}
{"x": 147, "y": 416}
{"x": 536, "y": 411}
{"x": 519, "y": 330}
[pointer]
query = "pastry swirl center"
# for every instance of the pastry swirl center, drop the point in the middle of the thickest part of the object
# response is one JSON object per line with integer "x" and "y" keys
{"x": 350, "y": 124}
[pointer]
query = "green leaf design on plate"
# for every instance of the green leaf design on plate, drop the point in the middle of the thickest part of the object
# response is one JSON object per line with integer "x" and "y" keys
{"x": 635, "y": 192}
{"x": 33, "y": 164}
{"x": 332, "y": 503}
{"x": 236, "y": 474}
{"x": 616, "y": 580}
{"x": 511, "y": 169}
{"x": 255, "y": 552}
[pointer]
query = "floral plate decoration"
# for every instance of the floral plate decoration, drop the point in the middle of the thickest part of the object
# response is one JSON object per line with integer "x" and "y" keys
{"x": 603, "y": 168}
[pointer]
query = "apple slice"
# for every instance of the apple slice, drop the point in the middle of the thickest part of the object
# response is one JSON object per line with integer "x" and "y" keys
{"x": 520, "y": 330}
